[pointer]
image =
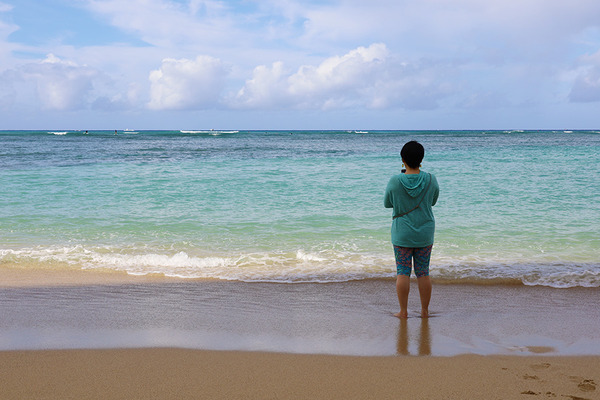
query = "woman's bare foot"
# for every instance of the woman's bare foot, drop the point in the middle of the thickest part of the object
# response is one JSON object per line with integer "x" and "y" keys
{"x": 401, "y": 315}
{"x": 424, "y": 314}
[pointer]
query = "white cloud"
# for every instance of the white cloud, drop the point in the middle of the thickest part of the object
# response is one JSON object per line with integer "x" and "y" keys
{"x": 267, "y": 88}
{"x": 5, "y": 7}
{"x": 119, "y": 101}
{"x": 186, "y": 84}
{"x": 6, "y": 28}
{"x": 418, "y": 85}
{"x": 586, "y": 87}
{"x": 364, "y": 77}
{"x": 8, "y": 93}
{"x": 586, "y": 80}
{"x": 336, "y": 82}
{"x": 583, "y": 78}
{"x": 56, "y": 84}
{"x": 349, "y": 72}
{"x": 169, "y": 23}
{"x": 61, "y": 85}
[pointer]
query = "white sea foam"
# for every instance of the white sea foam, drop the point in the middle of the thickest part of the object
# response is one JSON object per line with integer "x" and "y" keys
{"x": 299, "y": 266}
{"x": 495, "y": 270}
{"x": 301, "y": 255}
{"x": 58, "y": 133}
{"x": 332, "y": 265}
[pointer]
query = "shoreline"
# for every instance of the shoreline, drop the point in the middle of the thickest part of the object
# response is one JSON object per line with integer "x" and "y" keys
{"x": 172, "y": 373}
{"x": 15, "y": 277}
{"x": 21, "y": 277}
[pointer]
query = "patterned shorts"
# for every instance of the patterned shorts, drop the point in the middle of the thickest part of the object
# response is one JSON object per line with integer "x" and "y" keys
{"x": 420, "y": 255}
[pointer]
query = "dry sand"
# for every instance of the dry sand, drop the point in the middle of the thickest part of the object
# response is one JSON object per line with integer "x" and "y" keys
{"x": 195, "y": 374}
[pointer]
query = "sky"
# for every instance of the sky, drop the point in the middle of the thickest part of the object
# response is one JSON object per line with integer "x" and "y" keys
{"x": 291, "y": 64}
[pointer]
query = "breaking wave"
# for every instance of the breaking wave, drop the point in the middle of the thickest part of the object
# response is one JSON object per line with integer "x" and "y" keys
{"x": 299, "y": 266}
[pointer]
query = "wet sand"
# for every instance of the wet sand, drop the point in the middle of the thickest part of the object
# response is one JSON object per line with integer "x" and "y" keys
{"x": 350, "y": 318}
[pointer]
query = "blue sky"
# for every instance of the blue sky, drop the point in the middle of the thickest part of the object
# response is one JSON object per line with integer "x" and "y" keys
{"x": 289, "y": 64}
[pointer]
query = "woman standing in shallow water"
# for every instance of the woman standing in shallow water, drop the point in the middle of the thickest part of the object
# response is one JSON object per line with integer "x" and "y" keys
{"x": 411, "y": 194}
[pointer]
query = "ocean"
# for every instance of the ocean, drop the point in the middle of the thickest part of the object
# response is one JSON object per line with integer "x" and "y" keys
{"x": 515, "y": 207}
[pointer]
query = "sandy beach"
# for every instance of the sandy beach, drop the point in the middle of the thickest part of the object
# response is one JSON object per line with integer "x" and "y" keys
{"x": 193, "y": 374}
{"x": 98, "y": 336}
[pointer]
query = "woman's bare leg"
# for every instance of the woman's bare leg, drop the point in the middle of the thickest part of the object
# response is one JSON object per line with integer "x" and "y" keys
{"x": 425, "y": 294}
{"x": 402, "y": 288}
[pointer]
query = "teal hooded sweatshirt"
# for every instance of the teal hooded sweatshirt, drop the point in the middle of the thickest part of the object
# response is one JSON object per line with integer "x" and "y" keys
{"x": 403, "y": 193}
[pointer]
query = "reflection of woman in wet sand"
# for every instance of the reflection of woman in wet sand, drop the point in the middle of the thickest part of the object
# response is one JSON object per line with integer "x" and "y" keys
{"x": 411, "y": 195}
{"x": 424, "y": 338}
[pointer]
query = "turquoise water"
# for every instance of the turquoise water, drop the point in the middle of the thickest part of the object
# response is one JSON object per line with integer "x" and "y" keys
{"x": 293, "y": 206}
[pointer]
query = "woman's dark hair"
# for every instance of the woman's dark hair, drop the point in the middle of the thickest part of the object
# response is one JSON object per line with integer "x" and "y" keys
{"x": 412, "y": 154}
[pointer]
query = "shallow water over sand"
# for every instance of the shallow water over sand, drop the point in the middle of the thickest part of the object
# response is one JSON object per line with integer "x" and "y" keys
{"x": 352, "y": 318}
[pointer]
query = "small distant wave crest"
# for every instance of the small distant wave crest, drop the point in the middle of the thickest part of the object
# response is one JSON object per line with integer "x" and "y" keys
{"x": 210, "y": 132}
{"x": 299, "y": 266}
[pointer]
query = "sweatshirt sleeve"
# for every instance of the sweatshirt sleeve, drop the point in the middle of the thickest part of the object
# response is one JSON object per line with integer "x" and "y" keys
{"x": 436, "y": 192}
{"x": 387, "y": 199}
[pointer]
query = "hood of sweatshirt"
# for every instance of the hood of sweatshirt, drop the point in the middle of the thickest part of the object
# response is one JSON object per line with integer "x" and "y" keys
{"x": 414, "y": 183}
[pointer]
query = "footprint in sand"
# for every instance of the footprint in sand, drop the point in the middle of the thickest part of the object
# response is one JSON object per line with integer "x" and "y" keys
{"x": 530, "y": 392}
{"x": 531, "y": 377}
{"x": 587, "y": 385}
{"x": 541, "y": 366}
